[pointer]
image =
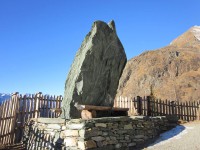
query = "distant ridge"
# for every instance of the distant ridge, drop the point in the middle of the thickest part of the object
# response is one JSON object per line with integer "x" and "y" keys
{"x": 4, "y": 97}
{"x": 171, "y": 72}
{"x": 190, "y": 38}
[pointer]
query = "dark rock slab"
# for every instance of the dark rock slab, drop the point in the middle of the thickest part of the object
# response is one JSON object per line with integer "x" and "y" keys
{"x": 94, "y": 75}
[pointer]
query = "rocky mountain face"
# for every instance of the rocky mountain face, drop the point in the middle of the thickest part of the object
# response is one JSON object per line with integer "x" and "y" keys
{"x": 94, "y": 75}
{"x": 172, "y": 72}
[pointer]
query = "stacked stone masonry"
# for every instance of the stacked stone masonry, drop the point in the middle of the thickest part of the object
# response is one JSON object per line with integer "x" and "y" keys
{"x": 98, "y": 133}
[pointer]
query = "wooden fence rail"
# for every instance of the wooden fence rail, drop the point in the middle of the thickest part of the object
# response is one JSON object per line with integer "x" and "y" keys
{"x": 20, "y": 108}
{"x": 146, "y": 106}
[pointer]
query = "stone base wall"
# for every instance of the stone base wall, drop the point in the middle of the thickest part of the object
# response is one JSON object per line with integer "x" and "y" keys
{"x": 98, "y": 133}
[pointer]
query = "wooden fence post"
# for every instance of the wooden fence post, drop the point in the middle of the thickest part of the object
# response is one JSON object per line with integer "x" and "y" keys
{"x": 198, "y": 113}
{"x": 139, "y": 105}
{"x": 37, "y": 101}
{"x": 172, "y": 107}
{"x": 15, "y": 113}
{"x": 148, "y": 105}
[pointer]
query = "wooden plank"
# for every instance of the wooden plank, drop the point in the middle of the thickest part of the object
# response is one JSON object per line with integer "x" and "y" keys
{"x": 149, "y": 111}
{"x": 163, "y": 108}
{"x": 131, "y": 107}
{"x": 145, "y": 105}
{"x": 139, "y": 105}
{"x": 1, "y": 106}
{"x": 172, "y": 107}
{"x": 15, "y": 128}
{"x": 13, "y": 120}
{"x": 169, "y": 108}
{"x": 154, "y": 107}
{"x": 47, "y": 114}
{"x": 181, "y": 111}
{"x": 166, "y": 107}
{"x": 47, "y": 107}
{"x": 37, "y": 105}
{"x": 5, "y": 135}
{"x": 126, "y": 102}
{"x": 92, "y": 107}
{"x": 26, "y": 109}
{"x": 175, "y": 109}
{"x": 160, "y": 107}
{"x": 60, "y": 101}
{"x": 178, "y": 109}
{"x": 11, "y": 113}
{"x": 135, "y": 102}
{"x": 190, "y": 110}
{"x": 32, "y": 106}
{"x": 157, "y": 107}
{"x": 197, "y": 111}
{"x": 187, "y": 112}
{"x": 4, "y": 121}
{"x": 119, "y": 104}
{"x": 41, "y": 111}
{"x": 23, "y": 110}
{"x": 123, "y": 102}
{"x": 119, "y": 109}
{"x": 193, "y": 116}
{"x": 194, "y": 110}
{"x": 51, "y": 105}
{"x": 17, "y": 116}
{"x": 7, "y": 120}
{"x": 184, "y": 111}
{"x": 55, "y": 106}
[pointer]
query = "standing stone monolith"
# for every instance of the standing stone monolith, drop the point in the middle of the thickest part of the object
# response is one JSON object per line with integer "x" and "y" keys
{"x": 94, "y": 75}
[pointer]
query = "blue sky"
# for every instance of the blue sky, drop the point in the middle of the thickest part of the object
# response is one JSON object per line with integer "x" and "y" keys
{"x": 39, "y": 38}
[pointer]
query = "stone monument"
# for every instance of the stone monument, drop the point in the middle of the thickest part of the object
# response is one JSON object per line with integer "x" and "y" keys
{"x": 94, "y": 75}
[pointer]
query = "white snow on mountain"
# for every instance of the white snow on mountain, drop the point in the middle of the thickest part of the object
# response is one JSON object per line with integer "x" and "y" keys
{"x": 196, "y": 31}
{"x": 4, "y": 97}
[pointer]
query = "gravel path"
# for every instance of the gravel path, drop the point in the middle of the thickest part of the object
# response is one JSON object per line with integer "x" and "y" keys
{"x": 183, "y": 137}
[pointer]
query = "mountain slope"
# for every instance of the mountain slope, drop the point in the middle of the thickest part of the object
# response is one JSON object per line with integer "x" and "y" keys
{"x": 4, "y": 97}
{"x": 172, "y": 72}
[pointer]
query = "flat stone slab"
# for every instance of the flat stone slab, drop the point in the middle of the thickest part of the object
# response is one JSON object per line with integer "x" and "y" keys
{"x": 50, "y": 120}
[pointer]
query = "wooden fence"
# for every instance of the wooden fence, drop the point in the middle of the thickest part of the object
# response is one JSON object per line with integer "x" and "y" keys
{"x": 16, "y": 111}
{"x": 146, "y": 106}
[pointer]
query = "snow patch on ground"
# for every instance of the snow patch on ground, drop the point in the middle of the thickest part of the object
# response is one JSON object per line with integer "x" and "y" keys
{"x": 196, "y": 31}
{"x": 173, "y": 134}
